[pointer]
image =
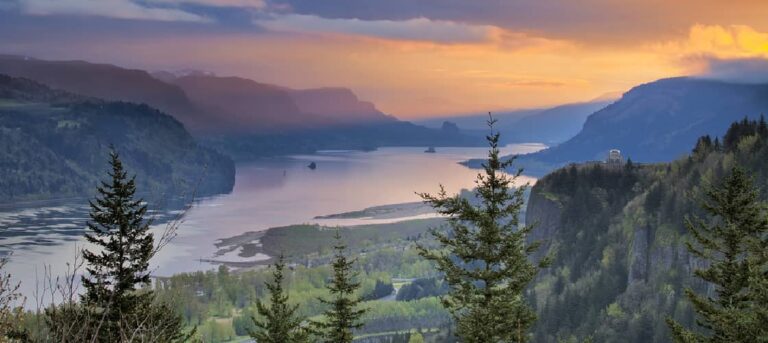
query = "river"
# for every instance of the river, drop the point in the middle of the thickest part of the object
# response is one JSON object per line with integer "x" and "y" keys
{"x": 268, "y": 193}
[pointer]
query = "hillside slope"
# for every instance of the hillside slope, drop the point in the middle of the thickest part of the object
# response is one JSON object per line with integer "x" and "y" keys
{"x": 55, "y": 144}
{"x": 247, "y": 106}
{"x": 108, "y": 82}
{"x": 618, "y": 236}
{"x": 551, "y": 126}
{"x": 659, "y": 121}
{"x": 240, "y": 117}
{"x": 655, "y": 122}
{"x": 544, "y": 125}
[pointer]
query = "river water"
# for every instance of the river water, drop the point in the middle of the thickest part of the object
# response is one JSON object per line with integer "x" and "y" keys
{"x": 268, "y": 193}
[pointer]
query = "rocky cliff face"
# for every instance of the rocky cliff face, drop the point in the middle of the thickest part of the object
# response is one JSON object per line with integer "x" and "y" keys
{"x": 55, "y": 144}
{"x": 616, "y": 272}
{"x": 621, "y": 262}
{"x": 338, "y": 104}
{"x": 545, "y": 214}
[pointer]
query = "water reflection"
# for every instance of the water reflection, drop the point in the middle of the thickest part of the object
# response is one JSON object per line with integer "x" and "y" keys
{"x": 268, "y": 193}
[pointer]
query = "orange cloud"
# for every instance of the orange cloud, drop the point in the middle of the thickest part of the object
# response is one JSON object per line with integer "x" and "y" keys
{"x": 412, "y": 75}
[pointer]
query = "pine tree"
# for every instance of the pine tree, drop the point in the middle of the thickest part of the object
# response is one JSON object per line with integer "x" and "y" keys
{"x": 118, "y": 228}
{"x": 733, "y": 242}
{"x": 344, "y": 314}
{"x": 281, "y": 322}
{"x": 484, "y": 255}
{"x": 114, "y": 308}
{"x": 762, "y": 127}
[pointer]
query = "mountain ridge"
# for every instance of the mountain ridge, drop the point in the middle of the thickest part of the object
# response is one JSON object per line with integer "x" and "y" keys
{"x": 70, "y": 136}
{"x": 655, "y": 122}
{"x": 171, "y": 93}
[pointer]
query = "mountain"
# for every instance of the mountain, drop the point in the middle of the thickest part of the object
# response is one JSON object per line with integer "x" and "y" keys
{"x": 617, "y": 233}
{"x": 108, "y": 82}
{"x": 253, "y": 107}
{"x": 478, "y": 121}
{"x": 205, "y": 103}
{"x": 545, "y": 125}
{"x": 658, "y": 121}
{"x": 339, "y": 104}
{"x": 349, "y": 137}
{"x": 241, "y": 117}
{"x": 242, "y": 105}
{"x": 550, "y": 126}
{"x": 55, "y": 144}
{"x": 654, "y": 122}
{"x": 260, "y": 119}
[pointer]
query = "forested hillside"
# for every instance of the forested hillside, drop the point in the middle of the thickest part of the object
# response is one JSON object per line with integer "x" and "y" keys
{"x": 654, "y": 122}
{"x": 55, "y": 144}
{"x": 239, "y": 117}
{"x": 621, "y": 262}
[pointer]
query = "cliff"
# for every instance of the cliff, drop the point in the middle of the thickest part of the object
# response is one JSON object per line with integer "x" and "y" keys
{"x": 55, "y": 144}
{"x": 621, "y": 262}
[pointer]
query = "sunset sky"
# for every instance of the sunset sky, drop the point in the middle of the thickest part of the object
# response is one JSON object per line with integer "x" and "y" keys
{"x": 413, "y": 58}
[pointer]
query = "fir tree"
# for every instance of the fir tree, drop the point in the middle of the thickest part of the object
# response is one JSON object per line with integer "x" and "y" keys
{"x": 733, "y": 242}
{"x": 281, "y": 322}
{"x": 113, "y": 308}
{"x": 344, "y": 314}
{"x": 485, "y": 256}
{"x": 118, "y": 228}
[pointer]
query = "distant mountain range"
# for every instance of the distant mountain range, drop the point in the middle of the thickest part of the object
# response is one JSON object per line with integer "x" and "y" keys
{"x": 239, "y": 114}
{"x": 247, "y": 106}
{"x": 656, "y": 122}
{"x": 544, "y": 125}
{"x": 55, "y": 144}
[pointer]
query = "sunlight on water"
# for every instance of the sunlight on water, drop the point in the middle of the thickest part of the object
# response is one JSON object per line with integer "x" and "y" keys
{"x": 268, "y": 193}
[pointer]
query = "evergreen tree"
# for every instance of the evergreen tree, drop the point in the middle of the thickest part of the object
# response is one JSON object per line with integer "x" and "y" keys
{"x": 416, "y": 338}
{"x": 281, "y": 322}
{"x": 119, "y": 230}
{"x": 344, "y": 314}
{"x": 485, "y": 256}
{"x": 114, "y": 307}
{"x": 733, "y": 243}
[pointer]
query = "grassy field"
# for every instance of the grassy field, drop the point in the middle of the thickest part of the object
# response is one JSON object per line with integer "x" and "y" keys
{"x": 313, "y": 240}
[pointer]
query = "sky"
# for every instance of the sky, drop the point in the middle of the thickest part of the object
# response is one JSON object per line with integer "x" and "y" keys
{"x": 412, "y": 58}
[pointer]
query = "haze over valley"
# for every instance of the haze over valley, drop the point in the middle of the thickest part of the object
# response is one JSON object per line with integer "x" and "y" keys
{"x": 383, "y": 172}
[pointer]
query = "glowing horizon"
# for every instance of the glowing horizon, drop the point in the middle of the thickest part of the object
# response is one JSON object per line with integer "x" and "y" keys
{"x": 412, "y": 62}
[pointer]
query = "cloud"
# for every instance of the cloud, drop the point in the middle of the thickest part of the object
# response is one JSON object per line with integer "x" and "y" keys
{"x": 535, "y": 83}
{"x": 603, "y": 21}
{"x": 7, "y": 5}
{"x": 217, "y": 3}
{"x": 730, "y": 52}
{"x": 744, "y": 70}
{"x": 737, "y": 41}
{"x": 412, "y": 29}
{"x": 119, "y": 9}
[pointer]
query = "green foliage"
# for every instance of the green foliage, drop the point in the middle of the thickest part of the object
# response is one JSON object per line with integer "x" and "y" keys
{"x": 422, "y": 288}
{"x": 304, "y": 240}
{"x": 732, "y": 242}
{"x": 280, "y": 323}
{"x": 124, "y": 244}
{"x": 215, "y": 331}
{"x": 11, "y": 311}
{"x": 620, "y": 240}
{"x": 485, "y": 256}
{"x": 114, "y": 308}
{"x": 344, "y": 313}
{"x": 416, "y": 338}
{"x": 50, "y": 143}
{"x": 381, "y": 289}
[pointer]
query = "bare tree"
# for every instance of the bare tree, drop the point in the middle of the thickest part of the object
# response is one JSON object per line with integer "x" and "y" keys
{"x": 11, "y": 307}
